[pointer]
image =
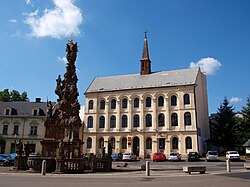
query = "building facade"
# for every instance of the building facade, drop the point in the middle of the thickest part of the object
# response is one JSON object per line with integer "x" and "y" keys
{"x": 22, "y": 120}
{"x": 149, "y": 112}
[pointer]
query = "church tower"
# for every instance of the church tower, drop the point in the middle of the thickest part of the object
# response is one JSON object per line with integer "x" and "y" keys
{"x": 145, "y": 61}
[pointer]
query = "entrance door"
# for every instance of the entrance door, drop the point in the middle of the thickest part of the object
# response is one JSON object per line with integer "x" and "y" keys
{"x": 161, "y": 144}
{"x": 136, "y": 146}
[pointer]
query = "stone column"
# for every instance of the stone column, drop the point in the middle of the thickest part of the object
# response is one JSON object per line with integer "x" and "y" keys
{"x": 106, "y": 116}
{"x": 118, "y": 116}
{"x": 167, "y": 115}
{"x": 154, "y": 117}
{"x": 130, "y": 117}
{"x": 142, "y": 121}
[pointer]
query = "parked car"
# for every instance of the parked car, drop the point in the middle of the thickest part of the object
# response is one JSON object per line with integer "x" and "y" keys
{"x": 13, "y": 155}
{"x": 129, "y": 156}
{"x": 4, "y": 162}
{"x": 212, "y": 156}
{"x": 193, "y": 156}
{"x": 9, "y": 158}
{"x": 159, "y": 157}
{"x": 232, "y": 155}
{"x": 116, "y": 156}
{"x": 173, "y": 156}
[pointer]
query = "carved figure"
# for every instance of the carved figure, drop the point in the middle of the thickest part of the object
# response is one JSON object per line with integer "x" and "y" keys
{"x": 50, "y": 109}
{"x": 19, "y": 148}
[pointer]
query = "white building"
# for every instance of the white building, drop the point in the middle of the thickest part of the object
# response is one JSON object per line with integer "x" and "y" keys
{"x": 149, "y": 112}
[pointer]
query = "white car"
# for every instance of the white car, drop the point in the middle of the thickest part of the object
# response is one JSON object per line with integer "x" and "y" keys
{"x": 232, "y": 155}
{"x": 129, "y": 156}
{"x": 212, "y": 156}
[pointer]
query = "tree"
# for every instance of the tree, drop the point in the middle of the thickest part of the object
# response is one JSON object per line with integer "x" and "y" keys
{"x": 243, "y": 132}
{"x": 14, "y": 95}
{"x": 5, "y": 95}
{"x": 223, "y": 130}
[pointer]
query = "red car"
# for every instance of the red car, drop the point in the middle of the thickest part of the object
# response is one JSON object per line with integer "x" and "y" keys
{"x": 159, "y": 157}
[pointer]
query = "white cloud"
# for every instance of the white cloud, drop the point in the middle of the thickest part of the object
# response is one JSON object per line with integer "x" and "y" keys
{"x": 62, "y": 21}
{"x": 235, "y": 100}
{"x": 208, "y": 65}
{"x": 62, "y": 59}
{"x": 12, "y": 20}
{"x": 28, "y": 2}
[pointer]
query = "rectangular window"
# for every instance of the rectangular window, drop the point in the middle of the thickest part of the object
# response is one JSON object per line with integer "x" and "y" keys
{"x": 33, "y": 130}
{"x": 5, "y": 129}
{"x": 35, "y": 113}
{"x": 15, "y": 131}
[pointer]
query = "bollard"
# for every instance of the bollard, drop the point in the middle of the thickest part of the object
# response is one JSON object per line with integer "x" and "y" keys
{"x": 228, "y": 165}
{"x": 43, "y": 172}
{"x": 147, "y": 168}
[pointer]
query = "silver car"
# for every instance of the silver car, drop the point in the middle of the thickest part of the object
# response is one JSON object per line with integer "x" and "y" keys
{"x": 212, "y": 156}
{"x": 174, "y": 156}
{"x": 129, "y": 156}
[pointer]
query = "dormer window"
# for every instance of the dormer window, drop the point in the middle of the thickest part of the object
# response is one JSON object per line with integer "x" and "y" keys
{"x": 35, "y": 113}
{"x": 7, "y": 111}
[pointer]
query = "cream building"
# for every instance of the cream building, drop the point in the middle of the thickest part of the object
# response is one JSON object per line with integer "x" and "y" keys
{"x": 150, "y": 112}
{"x": 22, "y": 120}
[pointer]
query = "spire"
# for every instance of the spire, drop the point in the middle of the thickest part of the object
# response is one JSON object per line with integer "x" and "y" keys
{"x": 145, "y": 54}
{"x": 145, "y": 61}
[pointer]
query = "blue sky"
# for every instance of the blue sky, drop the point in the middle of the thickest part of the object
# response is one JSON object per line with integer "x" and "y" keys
{"x": 213, "y": 34}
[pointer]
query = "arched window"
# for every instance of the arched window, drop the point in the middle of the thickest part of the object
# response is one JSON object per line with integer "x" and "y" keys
{"x": 173, "y": 100}
{"x": 136, "y": 120}
{"x": 124, "y": 121}
{"x": 101, "y": 143}
{"x": 113, "y": 104}
{"x": 174, "y": 119}
{"x": 102, "y": 122}
{"x": 90, "y": 122}
{"x": 112, "y": 142}
{"x": 89, "y": 142}
{"x": 186, "y": 99}
{"x": 136, "y": 103}
{"x": 148, "y": 102}
{"x": 187, "y": 118}
{"x": 148, "y": 143}
{"x": 102, "y": 104}
{"x": 148, "y": 120}
{"x": 91, "y": 104}
{"x": 124, "y": 103}
{"x": 175, "y": 143}
{"x": 160, "y": 101}
{"x": 124, "y": 143}
{"x": 161, "y": 121}
{"x": 188, "y": 142}
{"x": 112, "y": 121}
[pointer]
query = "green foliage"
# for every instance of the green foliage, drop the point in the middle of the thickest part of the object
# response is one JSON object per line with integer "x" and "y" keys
{"x": 243, "y": 132}
{"x": 14, "y": 95}
{"x": 5, "y": 95}
{"x": 225, "y": 126}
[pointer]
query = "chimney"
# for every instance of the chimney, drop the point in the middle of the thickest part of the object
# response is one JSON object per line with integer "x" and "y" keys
{"x": 38, "y": 100}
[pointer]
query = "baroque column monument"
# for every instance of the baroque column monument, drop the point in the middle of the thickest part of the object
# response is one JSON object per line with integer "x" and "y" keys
{"x": 63, "y": 122}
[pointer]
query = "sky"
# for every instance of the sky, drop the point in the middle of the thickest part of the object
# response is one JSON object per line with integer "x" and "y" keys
{"x": 212, "y": 34}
